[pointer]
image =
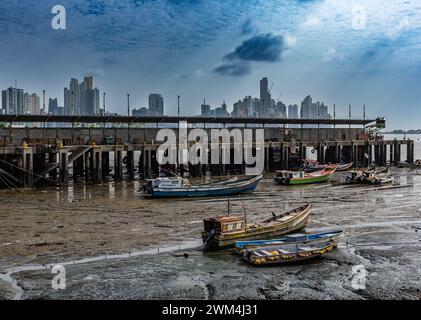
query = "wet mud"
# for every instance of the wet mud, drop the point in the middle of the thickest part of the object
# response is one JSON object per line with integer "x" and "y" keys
{"x": 149, "y": 249}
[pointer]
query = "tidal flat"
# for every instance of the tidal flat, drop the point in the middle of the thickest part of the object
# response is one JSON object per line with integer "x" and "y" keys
{"x": 116, "y": 244}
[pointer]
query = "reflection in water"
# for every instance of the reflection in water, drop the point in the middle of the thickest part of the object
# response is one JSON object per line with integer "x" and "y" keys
{"x": 111, "y": 191}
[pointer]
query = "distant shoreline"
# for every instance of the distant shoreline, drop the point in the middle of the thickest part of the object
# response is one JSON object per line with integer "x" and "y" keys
{"x": 402, "y": 132}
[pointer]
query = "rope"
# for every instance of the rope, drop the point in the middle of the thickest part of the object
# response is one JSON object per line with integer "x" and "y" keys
{"x": 380, "y": 244}
{"x": 4, "y": 177}
{"x": 27, "y": 171}
{"x": 5, "y": 182}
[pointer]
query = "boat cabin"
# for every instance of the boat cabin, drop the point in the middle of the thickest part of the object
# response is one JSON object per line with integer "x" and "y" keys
{"x": 291, "y": 175}
{"x": 167, "y": 182}
{"x": 226, "y": 224}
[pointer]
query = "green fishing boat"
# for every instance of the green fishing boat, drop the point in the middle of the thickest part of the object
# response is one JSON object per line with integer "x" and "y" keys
{"x": 301, "y": 177}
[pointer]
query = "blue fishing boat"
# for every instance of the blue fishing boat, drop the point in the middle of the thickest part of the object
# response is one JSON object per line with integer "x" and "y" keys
{"x": 179, "y": 187}
{"x": 331, "y": 236}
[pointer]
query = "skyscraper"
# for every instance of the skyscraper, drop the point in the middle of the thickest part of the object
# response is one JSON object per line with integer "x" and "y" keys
{"x": 293, "y": 114}
{"x": 72, "y": 98}
{"x": 81, "y": 98}
{"x": 156, "y": 104}
{"x": 205, "y": 110}
{"x": 265, "y": 97}
{"x": 53, "y": 106}
{"x": 308, "y": 108}
{"x": 13, "y": 101}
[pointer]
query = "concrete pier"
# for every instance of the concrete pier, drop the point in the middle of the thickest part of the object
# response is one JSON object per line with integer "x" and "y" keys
{"x": 36, "y": 156}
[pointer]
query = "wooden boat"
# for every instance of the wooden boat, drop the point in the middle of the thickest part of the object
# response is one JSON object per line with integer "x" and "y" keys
{"x": 333, "y": 236}
{"x": 222, "y": 232}
{"x": 178, "y": 187}
{"x": 415, "y": 165}
{"x": 286, "y": 253}
{"x": 301, "y": 177}
{"x": 318, "y": 167}
{"x": 344, "y": 166}
{"x": 368, "y": 177}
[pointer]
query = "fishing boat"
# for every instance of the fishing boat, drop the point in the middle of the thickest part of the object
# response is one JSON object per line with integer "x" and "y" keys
{"x": 301, "y": 177}
{"x": 333, "y": 236}
{"x": 317, "y": 167}
{"x": 415, "y": 165}
{"x": 222, "y": 232}
{"x": 176, "y": 186}
{"x": 286, "y": 253}
{"x": 368, "y": 177}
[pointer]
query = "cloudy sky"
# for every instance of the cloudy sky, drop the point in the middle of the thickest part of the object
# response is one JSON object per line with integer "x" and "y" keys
{"x": 343, "y": 52}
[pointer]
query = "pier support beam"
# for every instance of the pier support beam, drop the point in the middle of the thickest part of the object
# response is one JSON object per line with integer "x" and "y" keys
{"x": 285, "y": 157}
{"x": 86, "y": 160}
{"x": 130, "y": 164}
{"x": 97, "y": 165}
{"x": 410, "y": 153}
{"x": 28, "y": 166}
{"x": 64, "y": 166}
{"x": 52, "y": 159}
{"x": 118, "y": 164}
{"x": 105, "y": 165}
{"x": 391, "y": 159}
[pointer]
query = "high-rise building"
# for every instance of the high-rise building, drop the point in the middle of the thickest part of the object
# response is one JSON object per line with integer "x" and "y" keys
{"x": 35, "y": 104}
{"x": 293, "y": 114}
{"x": 53, "y": 106}
{"x": 72, "y": 98}
{"x": 280, "y": 110}
{"x": 205, "y": 110}
{"x": 27, "y": 103}
{"x": 265, "y": 97}
{"x": 309, "y": 110}
{"x": 141, "y": 112}
{"x": 156, "y": 104}
{"x": 13, "y": 101}
{"x": 81, "y": 98}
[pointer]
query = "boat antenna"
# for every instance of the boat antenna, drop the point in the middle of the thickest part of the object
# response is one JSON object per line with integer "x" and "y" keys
{"x": 229, "y": 207}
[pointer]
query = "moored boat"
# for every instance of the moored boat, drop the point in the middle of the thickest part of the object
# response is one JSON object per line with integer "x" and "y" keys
{"x": 368, "y": 177}
{"x": 178, "y": 187}
{"x": 301, "y": 177}
{"x": 286, "y": 253}
{"x": 222, "y": 232}
{"x": 317, "y": 167}
{"x": 333, "y": 236}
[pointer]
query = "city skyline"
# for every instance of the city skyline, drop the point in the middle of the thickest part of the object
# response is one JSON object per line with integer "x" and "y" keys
{"x": 304, "y": 47}
{"x": 84, "y": 99}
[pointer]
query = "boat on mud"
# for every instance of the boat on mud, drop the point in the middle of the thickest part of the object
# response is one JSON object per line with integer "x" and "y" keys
{"x": 222, "y": 232}
{"x": 333, "y": 236}
{"x": 312, "y": 167}
{"x": 286, "y": 253}
{"x": 176, "y": 186}
{"x": 301, "y": 177}
{"x": 369, "y": 177}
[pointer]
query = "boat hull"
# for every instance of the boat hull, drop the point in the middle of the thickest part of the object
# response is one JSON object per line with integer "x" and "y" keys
{"x": 332, "y": 236}
{"x": 307, "y": 180}
{"x": 222, "y": 190}
{"x": 288, "y": 257}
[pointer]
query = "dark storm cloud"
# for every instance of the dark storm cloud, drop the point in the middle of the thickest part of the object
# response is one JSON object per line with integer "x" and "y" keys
{"x": 235, "y": 69}
{"x": 248, "y": 27}
{"x": 265, "y": 47}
